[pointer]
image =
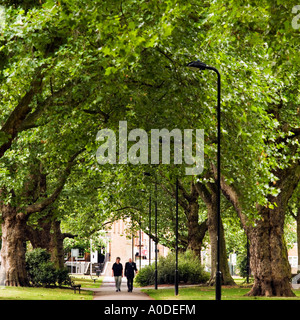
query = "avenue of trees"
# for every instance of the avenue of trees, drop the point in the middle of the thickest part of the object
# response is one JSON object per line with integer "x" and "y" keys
{"x": 71, "y": 68}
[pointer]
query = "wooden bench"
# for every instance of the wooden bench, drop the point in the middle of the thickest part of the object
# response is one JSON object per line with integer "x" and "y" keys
{"x": 75, "y": 287}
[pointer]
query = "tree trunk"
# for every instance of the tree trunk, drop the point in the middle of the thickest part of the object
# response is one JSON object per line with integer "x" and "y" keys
{"x": 213, "y": 235}
{"x": 196, "y": 231}
{"x": 13, "y": 247}
{"x": 298, "y": 235}
{"x": 48, "y": 236}
{"x": 56, "y": 245}
{"x": 40, "y": 237}
{"x": 208, "y": 193}
{"x": 269, "y": 257}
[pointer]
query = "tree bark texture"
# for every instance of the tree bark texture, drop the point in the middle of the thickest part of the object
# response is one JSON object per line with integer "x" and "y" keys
{"x": 208, "y": 193}
{"x": 269, "y": 258}
{"x": 13, "y": 247}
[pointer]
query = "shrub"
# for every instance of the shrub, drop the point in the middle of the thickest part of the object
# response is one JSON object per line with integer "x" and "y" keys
{"x": 190, "y": 270}
{"x": 242, "y": 265}
{"x": 62, "y": 277}
{"x": 41, "y": 270}
{"x": 146, "y": 276}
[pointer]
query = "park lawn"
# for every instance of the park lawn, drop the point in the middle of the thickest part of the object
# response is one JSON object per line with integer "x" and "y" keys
{"x": 208, "y": 293}
{"x": 31, "y": 293}
{"x": 87, "y": 281}
{"x": 64, "y": 293}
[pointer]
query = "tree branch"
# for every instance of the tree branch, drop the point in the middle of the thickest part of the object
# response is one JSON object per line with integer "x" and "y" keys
{"x": 230, "y": 193}
{"x": 29, "y": 121}
{"x": 181, "y": 201}
{"x": 18, "y": 115}
{"x": 128, "y": 207}
{"x": 204, "y": 193}
{"x": 38, "y": 207}
{"x": 104, "y": 115}
{"x": 68, "y": 235}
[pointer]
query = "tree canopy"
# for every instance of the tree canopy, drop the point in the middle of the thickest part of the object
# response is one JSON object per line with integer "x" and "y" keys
{"x": 71, "y": 68}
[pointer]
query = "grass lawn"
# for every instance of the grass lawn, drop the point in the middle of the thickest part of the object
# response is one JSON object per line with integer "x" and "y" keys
{"x": 28, "y": 293}
{"x": 87, "y": 281}
{"x": 25, "y": 293}
{"x": 208, "y": 293}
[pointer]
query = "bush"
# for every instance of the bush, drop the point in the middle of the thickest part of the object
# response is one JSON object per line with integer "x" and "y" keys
{"x": 41, "y": 270}
{"x": 62, "y": 277}
{"x": 146, "y": 276}
{"x": 242, "y": 265}
{"x": 190, "y": 270}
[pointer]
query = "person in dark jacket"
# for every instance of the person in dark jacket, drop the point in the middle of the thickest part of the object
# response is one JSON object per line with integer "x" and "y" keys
{"x": 130, "y": 270}
{"x": 117, "y": 272}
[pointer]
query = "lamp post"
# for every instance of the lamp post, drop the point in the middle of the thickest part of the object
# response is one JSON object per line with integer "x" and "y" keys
{"x": 155, "y": 222}
{"x": 132, "y": 247}
{"x": 132, "y": 244}
{"x": 148, "y": 174}
{"x": 155, "y": 210}
{"x": 149, "y": 228}
{"x": 140, "y": 245}
{"x": 140, "y": 235}
{"x": 176, "y": 244}
{"x": 248, "y": 260}
{"x": 198, "y": 65}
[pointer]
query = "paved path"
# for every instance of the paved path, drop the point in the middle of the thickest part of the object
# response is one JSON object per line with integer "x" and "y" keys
{"x": 107, "y": 291}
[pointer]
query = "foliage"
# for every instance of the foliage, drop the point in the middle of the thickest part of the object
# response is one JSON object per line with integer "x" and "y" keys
{"x": 85, "y": 65}
{"x": 84, "y": 243}
{"x": 41, "y": 271}
{"x": 190, "y": 270}
{"x": 242, "y": 265}
{"x": 62, "y": 276}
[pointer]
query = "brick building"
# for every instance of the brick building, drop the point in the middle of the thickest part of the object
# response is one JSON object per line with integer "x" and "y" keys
{"x": 293, "y": 258}
{"x": 121, "y": 243}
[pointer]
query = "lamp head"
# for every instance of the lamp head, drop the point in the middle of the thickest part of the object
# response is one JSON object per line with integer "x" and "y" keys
{"x": 197, "y": 65}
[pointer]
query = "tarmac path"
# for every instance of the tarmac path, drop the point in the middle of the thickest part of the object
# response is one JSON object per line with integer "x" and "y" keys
{"x": 107, "y": 291}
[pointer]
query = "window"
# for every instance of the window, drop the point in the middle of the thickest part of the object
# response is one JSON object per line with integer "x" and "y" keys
{"x": 293, "y": 260}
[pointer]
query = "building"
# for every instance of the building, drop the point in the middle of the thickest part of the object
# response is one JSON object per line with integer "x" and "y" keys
{"x": 293, "y": 258}
{"x": 120, "y": 242}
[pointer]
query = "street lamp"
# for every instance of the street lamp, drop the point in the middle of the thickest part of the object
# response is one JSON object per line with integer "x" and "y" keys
{"x": 140, "y": 233}
{"x": 248, "y": 260}
{"x": 155, "y": 211}
{"x": 140, "y": 244}
{"x": 155, "y": 222}
{"x": 148, "y": 174}
{"x": 198, "y": 65}
{"x": 149, "y": 249}
{"x": 176, "y": 244}
{"x": 132, "y": 247}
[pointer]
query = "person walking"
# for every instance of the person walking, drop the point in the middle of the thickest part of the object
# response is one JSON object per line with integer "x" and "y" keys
{"x": 130, "y": 270}
{"x": 117, "y": 273}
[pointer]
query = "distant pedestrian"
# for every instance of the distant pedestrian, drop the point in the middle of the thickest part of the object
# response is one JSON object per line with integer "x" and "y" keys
{"x": 117, "y": 272}
{"x": 130, "y": 270}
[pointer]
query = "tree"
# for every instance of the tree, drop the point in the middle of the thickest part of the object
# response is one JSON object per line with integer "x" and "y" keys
{"x": 61, "y": 81}
{"x": 280, "y": 156}
{"x": 15, "y": 216}
{"x": 113, "y": 61}
{"x": 294, "y": 210}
